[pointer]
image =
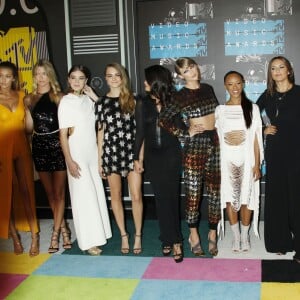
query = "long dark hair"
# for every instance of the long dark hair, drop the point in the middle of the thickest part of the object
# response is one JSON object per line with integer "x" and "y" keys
{"x": 82, "y": 69}
{"x": 245, "y": 102}
{"x": 9, "y": 65}
{"x": 271, "y": 84}
{"x": 161, "y": 83}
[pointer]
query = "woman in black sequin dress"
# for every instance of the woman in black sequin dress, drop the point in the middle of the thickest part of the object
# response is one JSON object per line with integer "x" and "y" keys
{"x": 116, "y": 123}
{"x": 41, "y": 120}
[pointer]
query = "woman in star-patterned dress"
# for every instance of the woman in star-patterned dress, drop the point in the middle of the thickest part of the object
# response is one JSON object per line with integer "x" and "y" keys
{"x": 116, "y": 132}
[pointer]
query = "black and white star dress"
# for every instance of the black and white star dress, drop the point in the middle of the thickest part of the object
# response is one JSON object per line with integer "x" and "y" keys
{"x": 119, "y": 134}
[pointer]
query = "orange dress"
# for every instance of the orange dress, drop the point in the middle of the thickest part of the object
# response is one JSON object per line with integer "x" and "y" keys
{"x": 13, "y": 144}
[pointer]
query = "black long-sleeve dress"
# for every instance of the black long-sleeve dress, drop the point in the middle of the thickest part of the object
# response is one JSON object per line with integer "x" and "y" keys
{"x": 162, "y": 161}
{"x": 282, "y": 201}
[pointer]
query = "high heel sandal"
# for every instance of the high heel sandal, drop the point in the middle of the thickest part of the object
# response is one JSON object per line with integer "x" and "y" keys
{"x": 137, "y": 250}
{"x": 196, "y": 249}
{"x": 94, "y": 251}
{"x": 18, "y": 248}
{"x": 123, "y": 249}
{"x": 54, "y": 244}
{"x": 35, "y": 245}
{"x": 212, "y": 246}
{"x": 166, "y": 250}
{"x": 178, "y": 257}
{"x": 66, "y": 236}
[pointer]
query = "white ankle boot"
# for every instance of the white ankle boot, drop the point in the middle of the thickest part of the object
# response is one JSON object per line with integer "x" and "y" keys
{"x": 245, "y": 239}
{"x": 236, "y": 242}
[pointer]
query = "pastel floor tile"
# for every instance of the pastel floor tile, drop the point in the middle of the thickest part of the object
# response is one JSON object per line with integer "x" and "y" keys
{"x": 62, "y": 288}
{"x": 8, "y": 282}
{"x": 95, "y": 266}
{"x": 205, "y": 269}
{"x": 280, "y": 291}
{"x": 20, "y": 264}
{"x": 200, "y": 290}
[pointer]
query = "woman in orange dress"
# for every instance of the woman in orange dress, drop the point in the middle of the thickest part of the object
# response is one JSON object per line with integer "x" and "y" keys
{"x": 17, "y": 202}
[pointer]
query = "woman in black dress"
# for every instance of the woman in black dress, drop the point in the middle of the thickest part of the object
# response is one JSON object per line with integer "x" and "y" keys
{"x": 42, "y": 121}
{"x": 282, "y": 206}
{"x": 161, "y": 156}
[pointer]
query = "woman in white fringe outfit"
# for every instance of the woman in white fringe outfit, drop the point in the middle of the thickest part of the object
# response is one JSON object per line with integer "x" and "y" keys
{"x": 239, "y": 127}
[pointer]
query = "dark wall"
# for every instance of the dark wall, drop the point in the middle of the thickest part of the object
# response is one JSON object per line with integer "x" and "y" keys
{"x": 203, "y": 25}
{"x": 220, "y": 35}
{"x": 55, "y": 14}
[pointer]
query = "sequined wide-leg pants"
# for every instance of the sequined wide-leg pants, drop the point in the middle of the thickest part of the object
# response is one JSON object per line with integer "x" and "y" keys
{"x": 201, "y": 162}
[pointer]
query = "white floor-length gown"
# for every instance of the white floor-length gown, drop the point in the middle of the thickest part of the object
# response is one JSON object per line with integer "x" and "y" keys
{"x": 89, "y": 208}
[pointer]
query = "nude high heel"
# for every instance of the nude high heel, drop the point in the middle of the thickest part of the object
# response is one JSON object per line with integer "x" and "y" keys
{"x": 35, "y": 245}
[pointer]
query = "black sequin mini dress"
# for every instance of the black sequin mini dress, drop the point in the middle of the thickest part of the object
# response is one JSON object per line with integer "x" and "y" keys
{"x": 46, "y": 150}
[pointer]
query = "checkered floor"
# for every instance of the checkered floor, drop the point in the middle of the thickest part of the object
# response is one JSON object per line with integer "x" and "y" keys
{"x": 256, "y": 275}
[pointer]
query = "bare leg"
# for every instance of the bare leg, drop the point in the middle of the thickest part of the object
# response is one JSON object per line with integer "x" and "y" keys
{"x": 24, "y": 189}
{"x": 245, "y": 215}
{"x": 115, "y": 185}
{"x": 232, "y": 215}
{"x": 135, "y": 188}
{"x": 54, "y": 184}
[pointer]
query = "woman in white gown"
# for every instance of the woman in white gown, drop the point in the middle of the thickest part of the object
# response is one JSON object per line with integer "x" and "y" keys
{"x": 239, "y": 128}
{"x": 78, "y": 140}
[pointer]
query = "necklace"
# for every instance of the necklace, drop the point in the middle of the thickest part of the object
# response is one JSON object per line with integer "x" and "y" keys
{"x": 279, "y": 97}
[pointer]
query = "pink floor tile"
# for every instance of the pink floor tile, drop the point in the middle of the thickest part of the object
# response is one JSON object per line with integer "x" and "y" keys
{"x": 234, "y": 270}
{"x": 8, "y": 282}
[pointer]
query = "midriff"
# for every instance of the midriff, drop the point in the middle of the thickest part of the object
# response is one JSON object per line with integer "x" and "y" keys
{"x": 207, "y": 122}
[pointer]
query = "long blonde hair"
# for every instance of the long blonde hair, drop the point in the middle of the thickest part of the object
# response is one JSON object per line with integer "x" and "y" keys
{"x": 54, "y": 85}
{"x": 126, "y": 99}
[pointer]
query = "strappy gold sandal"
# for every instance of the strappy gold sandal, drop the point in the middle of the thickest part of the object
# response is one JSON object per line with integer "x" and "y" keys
{"x": 54, "y": 244}
{"x": 94, "y": 251}
{"x": 212, "y": 246}
{"x": 35, "y": 245}
{"x": 137, "y": 250}
{"x": 196, "y": 249}
{"x": 66, "y": 236}
{"x": 18, "y": 248}
{"x": 123, "y": 249}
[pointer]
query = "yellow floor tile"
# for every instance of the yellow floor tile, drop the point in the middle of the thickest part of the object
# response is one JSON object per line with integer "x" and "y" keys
{"x": 20, "y": 264}
{"x": 280, "y": 291}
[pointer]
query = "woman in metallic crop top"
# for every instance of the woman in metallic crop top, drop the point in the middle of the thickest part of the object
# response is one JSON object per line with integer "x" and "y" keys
{"x": 49, "y": 161}
{"x": 196, "y": 103}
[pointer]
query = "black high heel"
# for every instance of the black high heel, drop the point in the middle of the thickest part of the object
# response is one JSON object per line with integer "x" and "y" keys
{"x": 178, "y": 257}
{"x": 166, "y": 250}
